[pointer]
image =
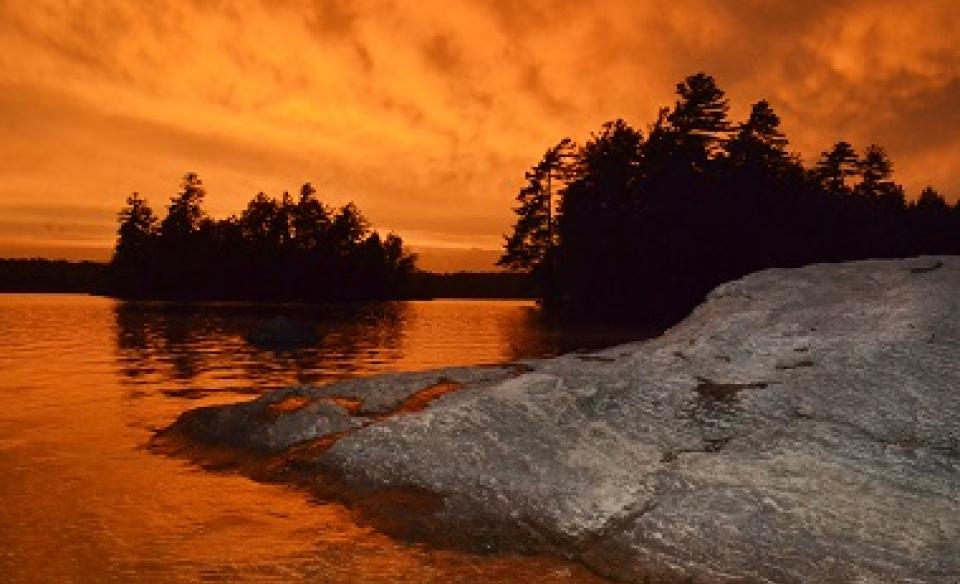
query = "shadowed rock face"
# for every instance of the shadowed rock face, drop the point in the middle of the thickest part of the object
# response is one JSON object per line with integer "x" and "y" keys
{"x": 800, "y": 426}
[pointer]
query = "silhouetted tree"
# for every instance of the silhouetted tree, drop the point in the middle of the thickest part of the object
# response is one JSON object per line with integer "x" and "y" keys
{"x": 876, "y": 171}
{"x": 135, "y": 249}
{"x": 603, "y": 190}
{"x": 876, "y": 178}
{"x": 698, "y": 120}
{"x": 263, "y": 224}
{"x": 138, "y": 224}
{"x": 185, "y": 212}
{"x": 396, "y": 256}
{"x": 311, "y": 219}
{"x": 836, "y": 166}
{"x": 348, "y": 228}
{"x": 275, "y": 250}
{"x": 931, "y": 202}
{"x": 647, "y": 228}
{"x": 531, "y": 244}
{"x": 934, "y": 227}
{"x": 759, "y": 144}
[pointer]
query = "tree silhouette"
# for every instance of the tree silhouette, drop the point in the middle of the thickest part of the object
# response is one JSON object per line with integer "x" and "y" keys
{"x": 602, "y": 190}
{"x": 931, "y": 202}
{"x": 259, "y": 222}
{"x": 699, "y": 118}
{"x": 531, "y": 244}
{"x": 836, "y": 166}
{"x": 759, "y": 144}
{"x": 876, "y": 171}
{"x": 348, "y": 228}
{"x": 277, "y": 249}
{"x": 648, "y": 227}
{"x": 876, "y": 178}
{"x": 185, "y": 212}
{"x": 138, "y": 226}
{"x": 311, "y": 219}
{"x": 135, "y": 248}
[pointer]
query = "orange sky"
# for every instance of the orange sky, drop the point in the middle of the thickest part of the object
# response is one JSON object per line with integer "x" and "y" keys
{"x": 426, "y": 113}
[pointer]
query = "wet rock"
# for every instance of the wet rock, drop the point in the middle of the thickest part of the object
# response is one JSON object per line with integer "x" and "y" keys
{"x": 384, "y": 394}
{"x": 270, "y": 423}
{"x": 287, "y": 417}
{"x": 800, "y": 426}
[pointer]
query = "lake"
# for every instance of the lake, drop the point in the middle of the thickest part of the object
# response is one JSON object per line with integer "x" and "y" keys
{"x": 86, "y": 381}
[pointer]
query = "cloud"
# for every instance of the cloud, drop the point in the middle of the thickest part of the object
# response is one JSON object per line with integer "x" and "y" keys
{"x": 427, "y": 114}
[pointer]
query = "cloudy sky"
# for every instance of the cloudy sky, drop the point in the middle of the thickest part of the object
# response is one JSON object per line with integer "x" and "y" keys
{"x": 426, "y": 113}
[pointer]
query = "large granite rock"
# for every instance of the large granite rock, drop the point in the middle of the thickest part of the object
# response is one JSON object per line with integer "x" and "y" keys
{"x": 800, "y": 426}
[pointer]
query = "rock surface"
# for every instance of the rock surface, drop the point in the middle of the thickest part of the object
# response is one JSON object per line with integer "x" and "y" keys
{"x": 800, "y": 426}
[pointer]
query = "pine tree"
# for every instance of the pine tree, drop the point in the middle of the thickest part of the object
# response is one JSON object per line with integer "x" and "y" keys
{"x": 137, "y": 229}
{"x": 311, "y": 219}
{"x": 836, "y": 166}
{"x": 602, "y": 212}
{"x": 348, "y": 229}
{"x": 930, "y": 201}
{"x": 876, "y": 177}
{"x": 185, "y": 212}
{"x": 699, "y": 120}
{"x": 259, "y": 222}
{"x": 535, "y": 235}
{"x": 759, "y": 142}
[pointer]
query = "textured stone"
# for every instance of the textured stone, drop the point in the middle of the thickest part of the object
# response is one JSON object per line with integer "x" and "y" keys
{"x": 801, "y": 425}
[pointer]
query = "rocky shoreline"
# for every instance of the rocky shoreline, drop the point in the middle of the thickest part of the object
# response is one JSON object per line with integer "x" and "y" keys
{"x": 801, "y": 425}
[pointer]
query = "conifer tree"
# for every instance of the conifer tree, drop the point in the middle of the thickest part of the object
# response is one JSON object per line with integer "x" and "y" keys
{"x": 535, "y": 233}
{"x": 876, "y": 178}
{"x": 699, "y": 120}
{"x": 185, "y": 212}
{"x": 137, "y": 229}
{"x": 759, "y": 142}
{"x": 836, "y": 166}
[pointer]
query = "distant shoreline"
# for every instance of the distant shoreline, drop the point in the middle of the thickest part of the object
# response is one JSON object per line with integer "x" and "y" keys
{"x": 39, "y": 275}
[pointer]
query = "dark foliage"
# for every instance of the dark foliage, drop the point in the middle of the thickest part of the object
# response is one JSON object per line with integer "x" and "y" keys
{"x": 277, "y": 250}
{"x": 39, "y": 275}
{"x": 642, "y": 228}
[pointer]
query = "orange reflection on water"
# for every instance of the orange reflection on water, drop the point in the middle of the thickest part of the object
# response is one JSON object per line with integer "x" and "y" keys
{"x": 85, "y": 382}
{"x": 290, "y": 404}
{"x": 205, "y": 346}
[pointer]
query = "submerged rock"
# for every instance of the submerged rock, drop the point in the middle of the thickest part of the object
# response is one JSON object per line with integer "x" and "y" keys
{"x": 282, "y": 333}
{"x": 801, "y": 425}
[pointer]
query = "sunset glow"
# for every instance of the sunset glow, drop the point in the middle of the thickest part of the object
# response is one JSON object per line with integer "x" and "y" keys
{"x": 425, "y": 113}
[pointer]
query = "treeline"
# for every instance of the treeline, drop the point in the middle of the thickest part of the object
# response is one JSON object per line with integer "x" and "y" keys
{"x": 642, "y": 225}
{"x": 276, "y": 250}
{"x": 39, "y": 275}
{"x": 89, "y": 277}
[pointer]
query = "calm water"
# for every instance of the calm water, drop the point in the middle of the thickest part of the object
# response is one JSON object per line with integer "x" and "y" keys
{"x": 85, "y": 381}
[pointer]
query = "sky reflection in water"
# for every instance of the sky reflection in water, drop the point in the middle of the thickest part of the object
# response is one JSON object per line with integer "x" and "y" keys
{"x": 85, "y": 381}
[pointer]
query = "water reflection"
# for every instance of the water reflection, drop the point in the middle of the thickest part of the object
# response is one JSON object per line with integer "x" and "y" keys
{"x": 85, "y": 381}
{"x": 193, "y": 350}
{"x": 206, "y": 346}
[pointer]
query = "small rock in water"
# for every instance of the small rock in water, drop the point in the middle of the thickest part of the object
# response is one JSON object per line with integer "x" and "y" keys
{"x": 281, "y": 332}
